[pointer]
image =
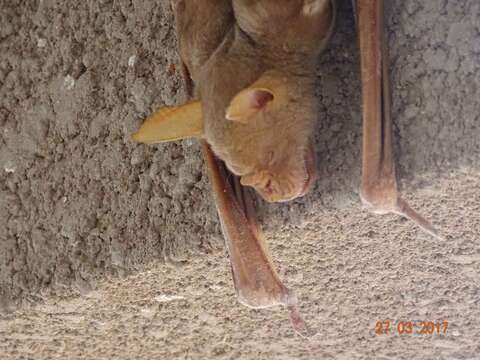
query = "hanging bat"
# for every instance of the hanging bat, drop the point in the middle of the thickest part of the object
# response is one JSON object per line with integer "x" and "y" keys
{"x": 253, "y": 78}
{"x": 251, "y": 65}
{"x": 250, "y": 82}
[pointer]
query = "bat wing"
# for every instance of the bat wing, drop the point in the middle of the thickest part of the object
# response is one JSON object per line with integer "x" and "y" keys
{"x": 256, "y": 282}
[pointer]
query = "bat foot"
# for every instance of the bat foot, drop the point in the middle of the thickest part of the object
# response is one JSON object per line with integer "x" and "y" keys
{"x": 387, "y": 200}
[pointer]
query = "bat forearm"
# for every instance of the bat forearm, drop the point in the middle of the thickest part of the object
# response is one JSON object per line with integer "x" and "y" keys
{"x": 370, "y": 34}
{"x": 377, "y": 155}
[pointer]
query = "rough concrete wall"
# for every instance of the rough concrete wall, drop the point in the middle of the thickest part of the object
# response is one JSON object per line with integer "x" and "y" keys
{"x": 78, "y": 198}
{"x": 349, "y": 269}
{"x": 80, "y": 201}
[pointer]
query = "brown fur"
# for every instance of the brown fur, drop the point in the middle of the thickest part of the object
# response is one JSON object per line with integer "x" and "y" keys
{"x": 229, "y": 45}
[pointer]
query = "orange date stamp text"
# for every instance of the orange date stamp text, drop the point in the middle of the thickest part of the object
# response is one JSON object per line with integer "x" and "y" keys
{"x": 411, "y": 327}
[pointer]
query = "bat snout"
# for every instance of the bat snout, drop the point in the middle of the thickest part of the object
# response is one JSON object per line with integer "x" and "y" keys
{"x": 287, "y": 183}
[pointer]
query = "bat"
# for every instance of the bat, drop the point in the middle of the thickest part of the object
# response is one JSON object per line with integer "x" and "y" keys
{"x": 243, "y": 90}
{"x": 249, "y": 70}
{"x": 252, "y": 80}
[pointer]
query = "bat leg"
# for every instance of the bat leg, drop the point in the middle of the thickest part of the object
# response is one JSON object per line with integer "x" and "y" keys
{"x": 379, "y": 188}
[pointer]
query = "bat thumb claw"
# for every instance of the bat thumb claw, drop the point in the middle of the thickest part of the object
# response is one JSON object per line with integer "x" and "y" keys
{"x": 298, "y": 324}
{"x": 405, "y": 210}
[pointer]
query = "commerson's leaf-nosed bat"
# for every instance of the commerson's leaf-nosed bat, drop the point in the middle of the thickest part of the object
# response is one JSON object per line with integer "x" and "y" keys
{"x": 252, "y": 66}
{"x": 252, "y": 63}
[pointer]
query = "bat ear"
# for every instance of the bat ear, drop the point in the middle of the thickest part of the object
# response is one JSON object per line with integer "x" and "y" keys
{"x": 172, "y": 123}
{"x": 247, "y": 103}
{"x": 268, "y": 89}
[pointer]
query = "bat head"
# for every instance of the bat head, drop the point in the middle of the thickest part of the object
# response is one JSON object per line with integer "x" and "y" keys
{"x": 266, "y": 136}
{"x": 263, "y": 135}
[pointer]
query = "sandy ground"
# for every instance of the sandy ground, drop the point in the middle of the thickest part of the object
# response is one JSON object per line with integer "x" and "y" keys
{"x": 113, "y": 250}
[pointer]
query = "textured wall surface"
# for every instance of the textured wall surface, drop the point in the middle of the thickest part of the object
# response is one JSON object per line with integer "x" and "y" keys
{"x": 90, "y": 220}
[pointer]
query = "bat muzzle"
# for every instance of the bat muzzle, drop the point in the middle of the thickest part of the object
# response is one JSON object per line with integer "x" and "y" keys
{"x": 288, "y": 182}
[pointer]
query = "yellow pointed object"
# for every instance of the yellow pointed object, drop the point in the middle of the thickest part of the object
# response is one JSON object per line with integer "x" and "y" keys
{"x": 172, "y": 123}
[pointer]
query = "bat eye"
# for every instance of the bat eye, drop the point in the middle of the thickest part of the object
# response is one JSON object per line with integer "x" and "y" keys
{"x": 270, "y": 157}
{"x": 268, "y": 187}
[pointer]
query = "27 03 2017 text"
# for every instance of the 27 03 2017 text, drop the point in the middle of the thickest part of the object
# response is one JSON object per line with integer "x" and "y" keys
{"x": 411, "y": 327}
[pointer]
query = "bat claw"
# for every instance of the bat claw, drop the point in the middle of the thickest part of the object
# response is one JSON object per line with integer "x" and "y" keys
{"x": 298, "y": 324}
{"x": 388, "y": 201}
{"x": 405, "y": 210}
